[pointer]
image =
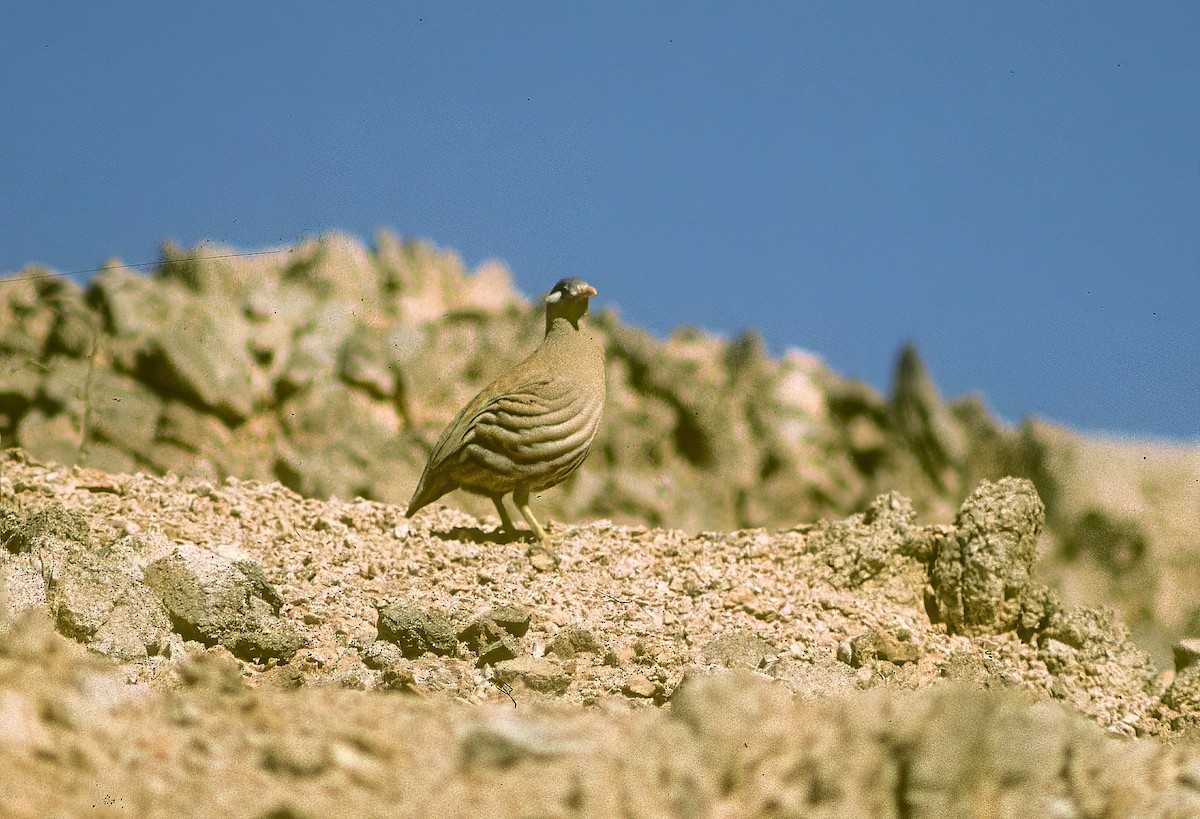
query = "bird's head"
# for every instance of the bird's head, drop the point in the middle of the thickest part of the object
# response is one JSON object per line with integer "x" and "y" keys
{"x": 569, "y": 300}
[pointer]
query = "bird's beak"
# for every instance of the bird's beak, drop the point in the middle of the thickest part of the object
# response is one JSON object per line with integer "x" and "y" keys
{"x": 587, "y": 290}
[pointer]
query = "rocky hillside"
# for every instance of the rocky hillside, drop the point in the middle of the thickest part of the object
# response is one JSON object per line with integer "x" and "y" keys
{"x": 183, "y": 647}
{"x": 331, "y": 368}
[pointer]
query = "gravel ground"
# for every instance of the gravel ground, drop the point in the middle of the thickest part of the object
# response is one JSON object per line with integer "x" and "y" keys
{"x": 182, "y": 648}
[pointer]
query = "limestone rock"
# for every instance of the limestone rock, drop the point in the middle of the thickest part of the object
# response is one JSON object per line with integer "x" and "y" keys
{"x": 76, "y": 328}
{"x": 878, "y": 644}
{"x": 18, "y": 386}
{"x": 364, "y": 363}
{"x": 96, "y": 597}
{"x": 639, "y": 686}
{"x": 26, "y": 318}
{"x": 925, "y": 421}
{"x": 536, "y": 674}
{"x": 739, "y": 650}
{"x": 118, "y": 408}
{"x": 50, "y": 438}
{"x": 211, "y": 270}
{"x": 132, "y": 307}
{"x": 512, "y": 618}
{"x": 93, "y": 594}
{"x": 204, "y": 356}
{"x": 1187, "y": 654}
{"x": 485, "y": 638}
{"x": 575, "y": 640}
{"x": 416, "y": 631}
{"x": 862, "y": 548}
{"x": 192, "y": 429}
{"x": 313, "y": 354}
{"x": 215, "y": 600}
{"x": 47, "y": 531}
{"x": 980, "y": 576}
{"x": 1184, "y": 693}
{"x": 22, "y": 587}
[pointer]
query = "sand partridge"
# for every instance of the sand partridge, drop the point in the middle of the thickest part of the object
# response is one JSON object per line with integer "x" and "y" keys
{"x": 531, "y": 427}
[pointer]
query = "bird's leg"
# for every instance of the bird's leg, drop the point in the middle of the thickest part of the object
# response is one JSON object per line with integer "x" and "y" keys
{"x": 505, "y": 521}
{"x": 521, "y": 499}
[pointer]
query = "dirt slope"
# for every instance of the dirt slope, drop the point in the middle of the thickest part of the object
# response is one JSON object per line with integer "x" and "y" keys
{"x": 184, "y": 647}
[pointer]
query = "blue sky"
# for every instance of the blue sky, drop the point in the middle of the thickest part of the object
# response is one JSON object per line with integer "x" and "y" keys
{"x": 1016, "y": 189}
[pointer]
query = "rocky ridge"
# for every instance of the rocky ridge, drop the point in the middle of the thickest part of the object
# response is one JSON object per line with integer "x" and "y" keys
{"x": 221, "y": 365}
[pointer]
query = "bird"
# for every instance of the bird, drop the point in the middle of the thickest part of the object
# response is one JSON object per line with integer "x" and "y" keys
{"x": 531, "y": 427}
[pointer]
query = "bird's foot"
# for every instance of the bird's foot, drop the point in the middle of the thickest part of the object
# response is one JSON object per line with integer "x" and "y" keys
{"x": 542, "y": 557}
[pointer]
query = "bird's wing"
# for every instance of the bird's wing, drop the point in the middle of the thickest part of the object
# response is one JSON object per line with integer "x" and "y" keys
{"x": 518, "y": 424}
{"x": 515, "y": 391}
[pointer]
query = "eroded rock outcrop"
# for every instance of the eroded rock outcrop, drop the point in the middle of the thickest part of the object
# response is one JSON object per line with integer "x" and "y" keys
{"x": 981, "y": 575}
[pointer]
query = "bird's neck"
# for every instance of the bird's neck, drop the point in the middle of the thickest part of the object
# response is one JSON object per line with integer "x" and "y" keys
{"x": 561, "y": 326}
